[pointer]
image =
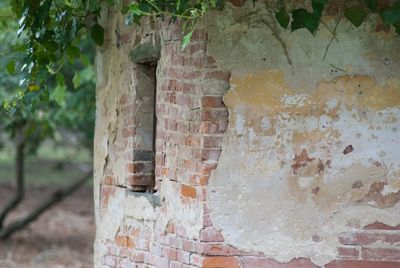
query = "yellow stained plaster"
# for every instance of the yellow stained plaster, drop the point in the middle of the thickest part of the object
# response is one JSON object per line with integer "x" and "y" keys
{"x": 266, "y": 91}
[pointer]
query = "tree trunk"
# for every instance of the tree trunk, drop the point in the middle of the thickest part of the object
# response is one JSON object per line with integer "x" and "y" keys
{"x": 19, "y": 172}
{"x": 55, "y": 198}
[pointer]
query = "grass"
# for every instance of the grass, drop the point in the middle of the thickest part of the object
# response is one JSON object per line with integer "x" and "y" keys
{"x": 56, "y": 165}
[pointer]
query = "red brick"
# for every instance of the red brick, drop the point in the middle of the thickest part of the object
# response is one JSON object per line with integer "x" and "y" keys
{"x": 207, "y": 221}
{"x": 109, "y": 180}
{"x": 175, "y": 264}
{"x": 137, "y": 256}
{"x": 211, "y": 235}
{"x": 139, "y": 167}
{"x": 362, "y": 264}
{"x": 212, "y": 102}
{"x": 107, "y": 192}
{"x": 366, "y": 238}
{"x": 188, "y": 191}
{"x": 384, "y": 254}
{"x": 218, "y": 249}
{"x": 381, "y": 226}
{"x": 189, "y": 245}
{"x": 215, "y": 115}
{"x": 175, "y": 242}
{"x": 170, "y": 253}
{"x": 180, "y": 230}
{"x": 121, "y": 240}
{"x": 212, "y": 141}
{"x": 183, "y": 256}
{"x": 162, "y": 262}
{"x": 220, "y": 75}
{"x": 255, "y": 262}
{"x": 140, "y": 180}
{"x": 348, "y": 253}
{"x": 124, "y": 253}
{"x": 221, "y": 262}
{"x": 196, "y": 259}
{"x": 193, "y": 141}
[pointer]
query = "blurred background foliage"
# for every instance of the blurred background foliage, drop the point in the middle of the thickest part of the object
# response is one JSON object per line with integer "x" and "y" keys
{"x": 56, "y": 123}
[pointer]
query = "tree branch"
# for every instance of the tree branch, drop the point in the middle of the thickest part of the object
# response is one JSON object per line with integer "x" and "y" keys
{"x": 55, "y": 198}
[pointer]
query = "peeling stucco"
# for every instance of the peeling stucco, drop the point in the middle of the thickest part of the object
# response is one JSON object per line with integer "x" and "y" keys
{"x": 311, "y": 147}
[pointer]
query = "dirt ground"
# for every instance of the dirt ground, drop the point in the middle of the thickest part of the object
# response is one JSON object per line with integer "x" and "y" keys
{"x": 62, "y": 237}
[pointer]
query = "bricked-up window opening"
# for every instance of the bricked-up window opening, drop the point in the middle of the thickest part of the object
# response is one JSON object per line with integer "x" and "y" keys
{"x": 143, "y": 178}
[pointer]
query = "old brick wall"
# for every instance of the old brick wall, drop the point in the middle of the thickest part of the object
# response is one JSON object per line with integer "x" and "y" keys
{"x": 203, "y": 205}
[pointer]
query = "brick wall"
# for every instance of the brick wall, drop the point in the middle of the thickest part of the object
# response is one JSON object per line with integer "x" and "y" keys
{"x": 191, "y": 120}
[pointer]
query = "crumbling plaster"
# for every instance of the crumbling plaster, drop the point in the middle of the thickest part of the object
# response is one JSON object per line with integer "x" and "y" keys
{"x": 312, "y": 146}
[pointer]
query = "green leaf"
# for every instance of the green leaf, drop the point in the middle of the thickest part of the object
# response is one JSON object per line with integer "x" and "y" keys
{"x": 58, "y": 95}
{"x": 134, "y": 8}
{"x": 311, "y": 22}
{"x": 283, "y": 18}
{"x": 318, "y": 7}
{"x": 355, "y": 15}
{"x": 85, "y": 59}
{"x": 299, "y": 15}
{"x": 391, "y": 15}
{"x": 82, "y": 77}
{"x": 371, "y": 4}
{"x": 304, "y": 19}
{"x": 97, "y": 34}
{"x": 11, "y": 67}
{"x": 186, "y": 39}
{"x": 73, "y": 52}
{"x": 60, "y": 79}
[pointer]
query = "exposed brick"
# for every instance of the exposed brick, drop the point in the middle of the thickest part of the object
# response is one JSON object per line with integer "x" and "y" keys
{"x": 212, "y": 141}
{"x": 175, "y": 242}
{"x": 254, "y": 262}
{"x": 219, "y": 75}
{"x": 170, "y": 253}
{"x": 212, "y": 102}
{"x": 121, "y": 240}
{"x": 189, "y": 245}
{"x": 214, "y": 115}
{"x": 384, "y": 254}
{"x": 124, "y": 253}
{"x": 381, "y": 226}
{"x": 196, "y": 259}
{"x": 137, "y": 256}
{"x": 218, "y": 249}
{"x": 362, "y": 264}
{"x": 188, "y": 191}
{"x": 366, "y": 238}
{"x": 109, "y": 180}
{"x": 162, "y": 262}
{"x": 211, "y": 235}
{"x": 207, "y": 221}
{"x": 348, "y": 253}
{"x": 136, "y": 167}
{"x": 221, "y": 262}
{"x": 175, "y": 264}
{"x": 183, "y": 256}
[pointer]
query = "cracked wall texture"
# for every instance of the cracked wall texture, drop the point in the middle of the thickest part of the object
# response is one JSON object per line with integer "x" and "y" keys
{"x": 312, "y": 148}
{"x": 304, "y": 174}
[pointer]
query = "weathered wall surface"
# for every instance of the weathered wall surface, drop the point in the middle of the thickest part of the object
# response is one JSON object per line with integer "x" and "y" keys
{"x": 305, "y": 172}
{"x": 311, "y": 152}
